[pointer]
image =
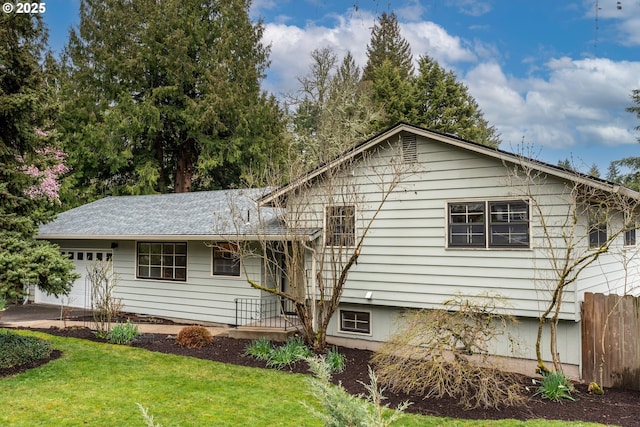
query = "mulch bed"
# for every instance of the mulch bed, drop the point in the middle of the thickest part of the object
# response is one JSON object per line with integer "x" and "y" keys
{"x": 616, "y": 407}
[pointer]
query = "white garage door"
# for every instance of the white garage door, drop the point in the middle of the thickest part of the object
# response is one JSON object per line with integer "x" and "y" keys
{"x": 80, "y": 295}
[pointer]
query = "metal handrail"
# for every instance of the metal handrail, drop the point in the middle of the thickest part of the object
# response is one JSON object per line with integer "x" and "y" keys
{"x": 266, "y": 313}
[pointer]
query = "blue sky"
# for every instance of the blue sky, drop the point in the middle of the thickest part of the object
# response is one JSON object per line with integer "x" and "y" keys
{"x": 553, "y": 74}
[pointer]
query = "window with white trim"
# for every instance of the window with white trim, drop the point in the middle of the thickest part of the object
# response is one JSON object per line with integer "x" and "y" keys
{"x": 488, "y": 224}
{"x": 597, "y": 227}
{"x": 162, "y": 260}
{"x": 355, "y": 321}
{"x": 226, "y": 261}
{"x": 340, "y": 225}
{"x": 630, "y": 237}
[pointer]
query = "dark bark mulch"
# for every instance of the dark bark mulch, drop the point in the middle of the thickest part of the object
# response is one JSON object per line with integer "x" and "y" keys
{"x": 615, "y": 407}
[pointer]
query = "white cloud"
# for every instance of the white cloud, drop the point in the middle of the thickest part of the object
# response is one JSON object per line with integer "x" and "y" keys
{"x": 581, "y": 101}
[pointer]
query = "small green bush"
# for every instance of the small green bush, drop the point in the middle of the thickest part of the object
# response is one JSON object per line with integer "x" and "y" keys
{"x": 123, "y": 333}
{"x": 335, "y": 360}
{"x": 259, "y": 349}
{"x": 194, "y": 336}
{"x": 339, "y": 408}
{"x": 18, "y": 350}
{"x": 555, "y": 386}
{"x": 292, "y": 351}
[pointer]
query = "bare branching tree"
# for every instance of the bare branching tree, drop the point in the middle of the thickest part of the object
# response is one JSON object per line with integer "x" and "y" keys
{"x": 575, "y": 221}
{"x": 312, "y": 231}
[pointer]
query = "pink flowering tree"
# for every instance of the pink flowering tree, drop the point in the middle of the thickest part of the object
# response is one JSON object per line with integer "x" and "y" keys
{"x": 47, "y": 174}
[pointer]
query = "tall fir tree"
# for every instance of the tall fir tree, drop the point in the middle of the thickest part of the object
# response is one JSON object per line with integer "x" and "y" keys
{"x": 444, "y": 104}
{"x": 29, "y": 162}
{"x": 434, "y": 98}
{"x": 165, "y": 97}
{"x": 387, "y": 44}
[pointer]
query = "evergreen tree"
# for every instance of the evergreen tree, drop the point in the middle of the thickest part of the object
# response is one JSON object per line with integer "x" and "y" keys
{"x": 627, "y": 172}
{"x": 594, "y": 171}
{"x": 444, "y": 104}
{"x": 165, "y": 96}
{"x": 334, "y": 110}
{"x": 29, "y": 163}
{"x": 388, "y": 45}
{"x": 635, "y": 97}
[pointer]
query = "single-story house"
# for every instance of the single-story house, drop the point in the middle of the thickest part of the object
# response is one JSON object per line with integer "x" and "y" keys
{"x": 463, "y": 219}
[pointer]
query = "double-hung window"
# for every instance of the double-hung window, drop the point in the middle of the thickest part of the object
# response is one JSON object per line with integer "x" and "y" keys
{"x": 630, "y": 237}
{"x": 340, "y": 225}
{"x": 597, "y": 227}
{"x": 488, "y": 224}
{"x": 162, "y": 260}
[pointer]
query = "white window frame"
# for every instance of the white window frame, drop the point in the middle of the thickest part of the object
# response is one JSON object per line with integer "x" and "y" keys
{"x": 355, "y": 330}
{"x": 485, "y": 230}
{"x": 228, "y": 255}
{"x": 174, "y": 267}
{"x": 330, "y": 241}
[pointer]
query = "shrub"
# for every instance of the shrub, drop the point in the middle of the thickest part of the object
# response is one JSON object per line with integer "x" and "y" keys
{"x": 340, "y": 408}
{"x": 260, "y": 349}
{"x": 123, "y": 333}
{"x": 555, "y": 386}
{"x": 19, "y": 350}
{"x": 444, "y": 353}
{"x": 292, "y": 351}
{"x": 194, "y": 336}
{"x": 335, "y": 360}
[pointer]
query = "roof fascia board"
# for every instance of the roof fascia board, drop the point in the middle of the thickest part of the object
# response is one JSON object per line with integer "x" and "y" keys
{"x": 164, "y": 237}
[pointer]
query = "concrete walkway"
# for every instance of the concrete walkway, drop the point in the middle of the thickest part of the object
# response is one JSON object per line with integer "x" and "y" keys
{"x": 42, "y": 316}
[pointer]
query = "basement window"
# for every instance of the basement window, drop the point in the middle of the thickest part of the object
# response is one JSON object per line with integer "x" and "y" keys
{"x": 355, "y": 321}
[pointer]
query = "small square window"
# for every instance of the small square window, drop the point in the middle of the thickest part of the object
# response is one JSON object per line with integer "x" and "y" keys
{"x": 89, "y": 256}
{"x": 355, "y": 321}
{"x": 226, "y": 261}
{"x": 80, "y": 256}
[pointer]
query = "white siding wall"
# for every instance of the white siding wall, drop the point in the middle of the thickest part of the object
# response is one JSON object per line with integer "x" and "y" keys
{"x": 518, "y": 342}
{"x": 203, "y": 297}
{"x": 405, "y": 261}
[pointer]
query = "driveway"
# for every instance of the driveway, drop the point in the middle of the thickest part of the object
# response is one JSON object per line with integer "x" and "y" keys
{"x": 36, "y": 312}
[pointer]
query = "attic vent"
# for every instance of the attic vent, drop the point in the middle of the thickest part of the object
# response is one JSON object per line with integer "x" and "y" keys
{"x": 409, "y": 150}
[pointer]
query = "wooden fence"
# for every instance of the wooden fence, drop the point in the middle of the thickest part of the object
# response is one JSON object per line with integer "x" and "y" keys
{"x": 611, "y": 340}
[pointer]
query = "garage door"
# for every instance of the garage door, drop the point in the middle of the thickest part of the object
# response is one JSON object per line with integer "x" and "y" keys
{"x": 80, "y": 295}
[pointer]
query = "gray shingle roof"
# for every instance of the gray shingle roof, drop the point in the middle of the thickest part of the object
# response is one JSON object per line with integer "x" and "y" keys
{"x": 197, "y": 214}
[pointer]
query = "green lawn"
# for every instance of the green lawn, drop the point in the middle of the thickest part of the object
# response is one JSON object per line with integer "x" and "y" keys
{"x": 99, "y": 385}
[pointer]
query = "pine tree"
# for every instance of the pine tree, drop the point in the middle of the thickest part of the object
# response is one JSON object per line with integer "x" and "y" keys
{"x": 165, "y": 96}
{"x": 444, "y": 104}
{"x": 27, "y": 155}
{"x": 388, "y": 45}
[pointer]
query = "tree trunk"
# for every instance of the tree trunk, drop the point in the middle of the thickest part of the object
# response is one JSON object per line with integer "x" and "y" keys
{"x": 185, "y": 160}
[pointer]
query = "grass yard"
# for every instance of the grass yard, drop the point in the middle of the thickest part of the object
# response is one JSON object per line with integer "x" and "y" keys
{"x": 100, "y": 384}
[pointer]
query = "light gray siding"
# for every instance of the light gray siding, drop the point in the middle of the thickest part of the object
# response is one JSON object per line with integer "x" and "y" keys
{"x": 405, "y": 261}
{"x": 202, "y": 297}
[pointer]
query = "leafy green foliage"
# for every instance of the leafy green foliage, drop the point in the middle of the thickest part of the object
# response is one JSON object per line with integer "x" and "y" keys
{"x": 259, "y": 349}
{"x": 168, "y": 99}
{"x": 293, "y": 350}
{"x": 26, "y": 110}
{"x": 555, "y": 386}
{"x": 341, "y": 409}
{"x": 123, "y": 333}
{"x": 18, "y": 350}
{"x": 194, "y": 336}
{"x": 335, "y": 360}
